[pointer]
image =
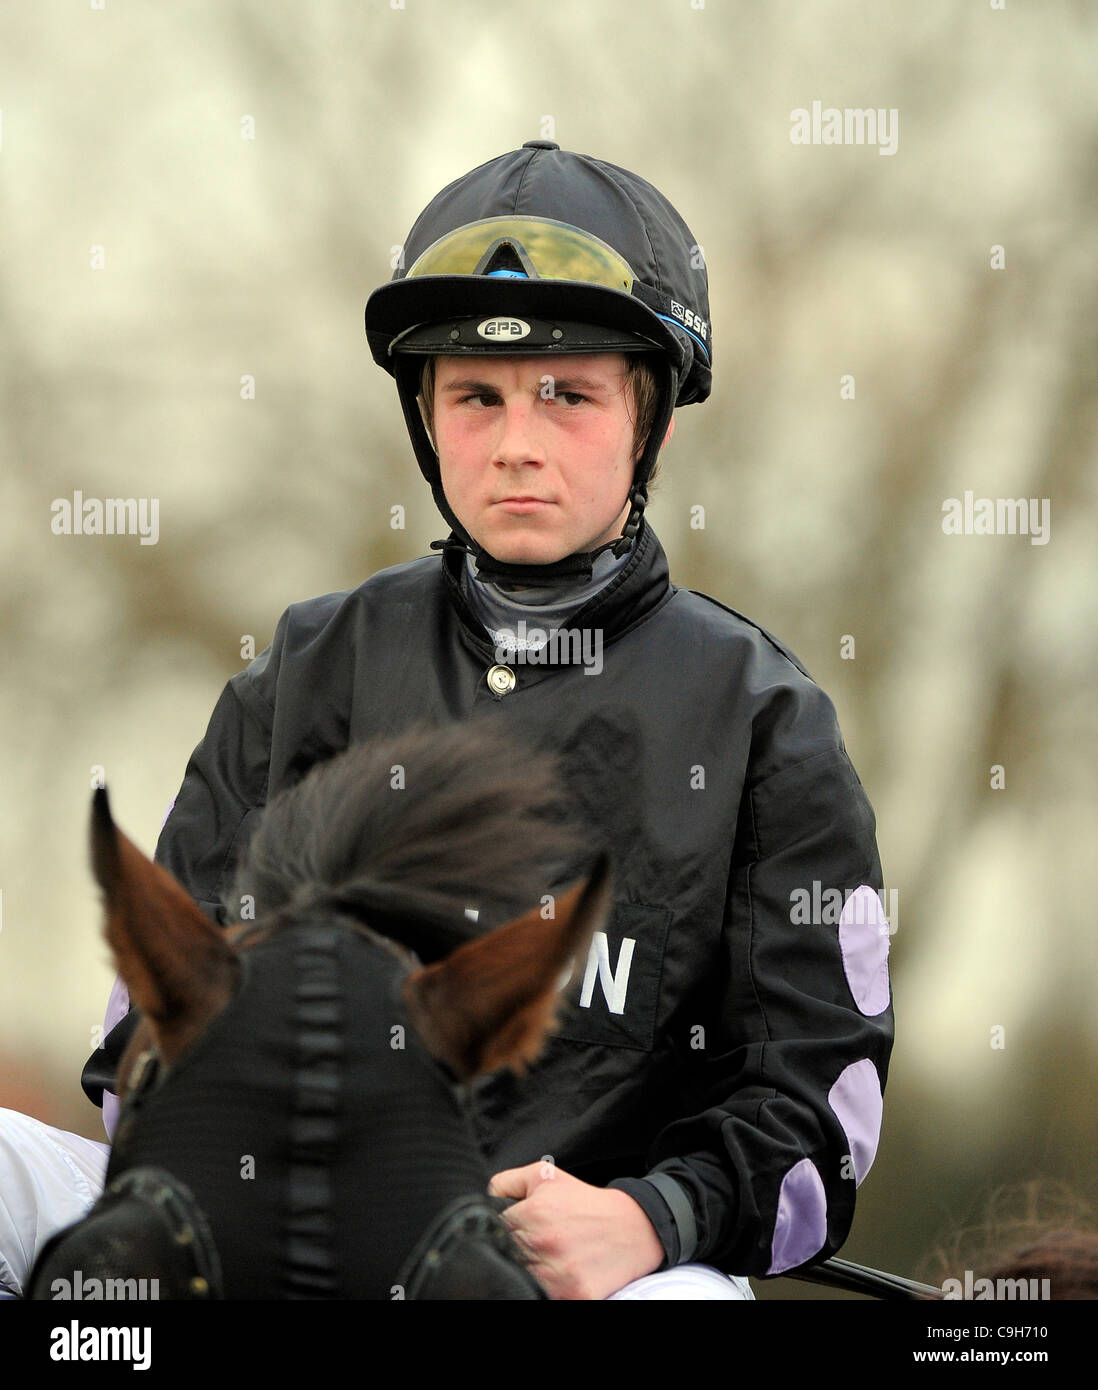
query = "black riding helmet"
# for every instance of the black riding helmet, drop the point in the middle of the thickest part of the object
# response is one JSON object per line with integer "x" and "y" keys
{"x": 543, "y": 251}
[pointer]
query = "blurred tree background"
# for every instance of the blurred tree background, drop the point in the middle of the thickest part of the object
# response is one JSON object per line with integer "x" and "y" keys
{"x": 199, "y": 196}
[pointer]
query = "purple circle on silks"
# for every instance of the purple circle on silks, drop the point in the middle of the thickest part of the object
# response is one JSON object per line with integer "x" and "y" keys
{"x": 858, "y": 1105}
{"x": 800, "y": 1230}
{"x": 863, "y": 942}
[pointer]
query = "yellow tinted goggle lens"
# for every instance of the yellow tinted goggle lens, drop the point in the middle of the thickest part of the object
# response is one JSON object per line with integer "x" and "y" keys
{"x": 555, "y": 250}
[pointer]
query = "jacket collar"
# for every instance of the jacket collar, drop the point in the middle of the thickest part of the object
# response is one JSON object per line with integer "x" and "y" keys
{"x": 639, "y": 589}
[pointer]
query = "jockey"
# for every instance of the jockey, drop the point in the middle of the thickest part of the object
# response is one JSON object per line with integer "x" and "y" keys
{"x": 713, "y": 1095}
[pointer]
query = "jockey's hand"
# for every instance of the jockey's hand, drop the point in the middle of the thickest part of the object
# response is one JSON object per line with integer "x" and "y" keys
{"x": 581, "y": 1241}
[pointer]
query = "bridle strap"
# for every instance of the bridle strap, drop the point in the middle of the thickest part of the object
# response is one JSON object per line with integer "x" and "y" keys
{"x": 311, "y": 1268}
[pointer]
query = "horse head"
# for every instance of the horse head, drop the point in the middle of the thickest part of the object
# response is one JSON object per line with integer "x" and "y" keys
{"x": 294, "y": 1116}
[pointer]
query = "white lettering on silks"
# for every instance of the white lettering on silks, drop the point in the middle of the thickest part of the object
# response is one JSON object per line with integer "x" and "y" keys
{"x": 614, "y": 982}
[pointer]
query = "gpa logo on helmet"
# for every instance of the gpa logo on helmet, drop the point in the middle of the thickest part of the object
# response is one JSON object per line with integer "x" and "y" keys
{"x": 503, "y": 330}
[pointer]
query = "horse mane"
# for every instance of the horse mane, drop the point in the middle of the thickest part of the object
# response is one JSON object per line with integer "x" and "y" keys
{"x": 412, "y": 830}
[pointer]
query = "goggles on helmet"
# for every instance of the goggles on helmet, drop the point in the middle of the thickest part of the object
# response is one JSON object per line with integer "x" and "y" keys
{"x": 538, "y": 247}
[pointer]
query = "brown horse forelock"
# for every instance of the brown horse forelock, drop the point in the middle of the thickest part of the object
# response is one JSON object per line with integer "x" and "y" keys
{"x": 414, "y": 829}
{"x": 404, "y": 834}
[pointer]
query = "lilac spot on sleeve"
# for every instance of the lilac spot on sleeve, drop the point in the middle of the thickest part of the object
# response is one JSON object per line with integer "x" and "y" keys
{"x": 118, "y": 1005}
{"x": 800, "y": 1230}
{"x": 111, "y": 1107}
{"x": 858, "y": 1105}
{"x": 167, "y": 813}
{"x": 863, "y": 942}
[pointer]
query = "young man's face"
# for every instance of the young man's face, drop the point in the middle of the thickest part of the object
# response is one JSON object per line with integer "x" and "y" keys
{"x": 536, "y": 453}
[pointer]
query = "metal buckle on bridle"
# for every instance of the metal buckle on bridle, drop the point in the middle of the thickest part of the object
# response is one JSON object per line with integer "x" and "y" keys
{"x": 146, "y": 1228}
{"x": 144, "y": 1079}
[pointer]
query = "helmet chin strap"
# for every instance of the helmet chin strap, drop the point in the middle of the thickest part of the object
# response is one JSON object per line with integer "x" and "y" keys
{"x": 579, "y": 566}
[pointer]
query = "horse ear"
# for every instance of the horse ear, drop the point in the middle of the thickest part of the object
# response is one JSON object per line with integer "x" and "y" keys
{"x": 179, "y": 969}
{"x": 491, "y": 1003}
